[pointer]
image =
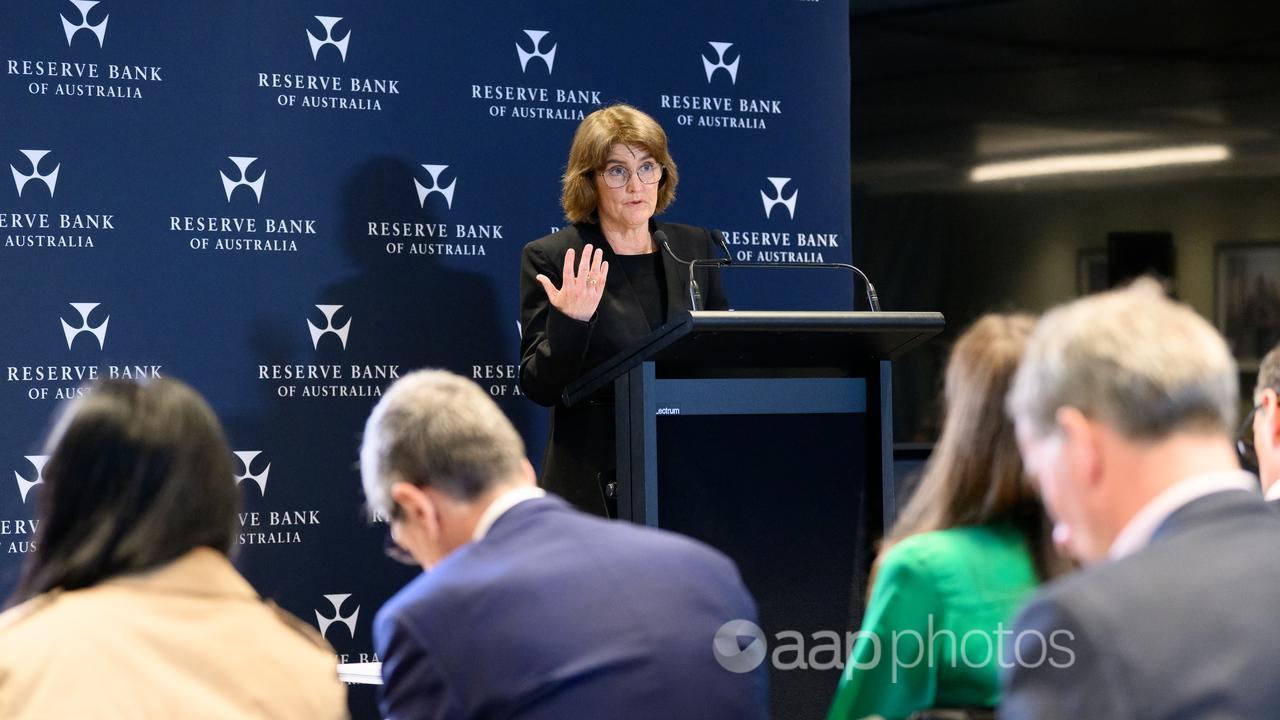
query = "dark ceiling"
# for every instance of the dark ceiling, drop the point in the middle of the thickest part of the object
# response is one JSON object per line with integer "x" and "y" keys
{"x": 938, "y": 87}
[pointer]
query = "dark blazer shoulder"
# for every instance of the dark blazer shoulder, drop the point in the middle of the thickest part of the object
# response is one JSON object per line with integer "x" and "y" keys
{"x": 574, "y": 235}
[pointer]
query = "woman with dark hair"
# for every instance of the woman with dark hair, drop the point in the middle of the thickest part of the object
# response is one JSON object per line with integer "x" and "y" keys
{"x": 599, "y": 285}
{"x": 129, "y": 606}
{"x": 969, "y": 547}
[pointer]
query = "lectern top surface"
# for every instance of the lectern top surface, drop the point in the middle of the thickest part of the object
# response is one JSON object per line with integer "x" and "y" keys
{"x": 710, "y": 343}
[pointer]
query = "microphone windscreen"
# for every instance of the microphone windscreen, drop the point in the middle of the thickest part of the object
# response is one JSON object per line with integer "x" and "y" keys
{"x": 718, "y": 237}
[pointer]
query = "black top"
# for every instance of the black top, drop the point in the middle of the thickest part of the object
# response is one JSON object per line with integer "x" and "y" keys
{"x": 649, "y": 281}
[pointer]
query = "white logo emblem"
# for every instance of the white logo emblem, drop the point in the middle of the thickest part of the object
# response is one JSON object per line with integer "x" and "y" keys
{"x": 243, "y": 164}
{"x": 337, "y": 602}
{"x": 33, "y": 156}
{"x": 548, "y": 57}
{"x": 71, "y": 331}
{"x": 317, "y": 43}
{"x": 25, "y": 485}
{"x": 739, "y": 646}
{"x": 424, "y": 191}
{"x": 84, "y": 6}
{"x": 720, "y": 64}
{"x": 317, "y": 332}
{"x": 777, "y": 199}
{"x": 246, "y": 461}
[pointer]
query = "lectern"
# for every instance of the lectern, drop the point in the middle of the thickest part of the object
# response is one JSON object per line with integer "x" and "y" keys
{"x": 769, "y": 436}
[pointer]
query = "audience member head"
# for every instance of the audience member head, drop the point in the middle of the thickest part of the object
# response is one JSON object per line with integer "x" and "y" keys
{"x": 1119, "y": 396}
{"x": 974, "y": 475}
{"x": 1266, "y": 419}
{"x": 139, "y": 473}
{"x": 436, "y": 451}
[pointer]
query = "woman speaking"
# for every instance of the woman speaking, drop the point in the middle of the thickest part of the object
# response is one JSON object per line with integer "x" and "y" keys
{"x": 601, "y": 284}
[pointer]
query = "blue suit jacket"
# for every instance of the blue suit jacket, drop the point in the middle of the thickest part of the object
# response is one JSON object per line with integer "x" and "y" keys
{"x": 557, "y": 614}
{"x": 1184, "y": 629}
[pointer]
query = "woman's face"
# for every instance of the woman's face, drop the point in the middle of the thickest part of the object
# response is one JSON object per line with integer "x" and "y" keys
{"x": 635, "y": 202}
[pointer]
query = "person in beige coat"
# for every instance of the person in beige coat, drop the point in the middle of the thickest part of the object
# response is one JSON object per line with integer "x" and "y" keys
{"x": 129, "y": 606}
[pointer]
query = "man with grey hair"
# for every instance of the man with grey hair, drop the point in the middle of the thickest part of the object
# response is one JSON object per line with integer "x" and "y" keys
{"x": 1265, "y": 427}
{"x": 1124, "y": 406}
{"x": 530, "y": 609}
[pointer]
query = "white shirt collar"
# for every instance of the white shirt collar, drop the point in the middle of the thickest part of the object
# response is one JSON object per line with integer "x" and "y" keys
{"x": 1273, "y": 492}
{"x": 501, "y": 505}
{"x": 1137, "y": 533}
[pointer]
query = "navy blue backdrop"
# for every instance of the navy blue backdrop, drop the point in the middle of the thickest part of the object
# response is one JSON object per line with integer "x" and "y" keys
{"x": 289, "y": 204}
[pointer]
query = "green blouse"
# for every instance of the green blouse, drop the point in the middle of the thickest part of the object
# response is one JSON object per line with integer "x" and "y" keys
{"x": 940, "y": 616}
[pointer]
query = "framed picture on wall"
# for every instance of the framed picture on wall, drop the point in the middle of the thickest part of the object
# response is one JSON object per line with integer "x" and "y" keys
{"x": 1246, "y": 298}
{"x": 1091, "y": 271}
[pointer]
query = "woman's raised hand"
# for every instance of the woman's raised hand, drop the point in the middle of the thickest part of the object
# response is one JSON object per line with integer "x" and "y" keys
{"x": 579, "y": 294}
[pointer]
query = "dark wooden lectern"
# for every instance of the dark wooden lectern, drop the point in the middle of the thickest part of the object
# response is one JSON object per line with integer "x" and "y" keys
{"x": 769, "y": 435}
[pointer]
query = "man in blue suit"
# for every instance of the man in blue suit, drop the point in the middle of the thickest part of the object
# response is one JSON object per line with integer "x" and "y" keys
{"x": 1124, "y": 405}
{"x": 528, "y": 608}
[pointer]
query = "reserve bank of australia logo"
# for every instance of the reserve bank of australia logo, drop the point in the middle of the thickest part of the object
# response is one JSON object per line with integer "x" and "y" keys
{"x": 73, "y": 331}
{"x": 328, "y": 39}
{"x": 246, "y": 458}
{"x": 719, "y": 63}
{"x": 777, "y": 199}
{"x": 20, "y": 179}
{"x": 242, "y": 164}
{"x": 73, "y": 28}
{"x": 25, "y": 485}
{"x": 424, "y": 190}
{"x": 548, "y": 58}
{"x": 337, "y": 602}
{"x": 319, "y": 332}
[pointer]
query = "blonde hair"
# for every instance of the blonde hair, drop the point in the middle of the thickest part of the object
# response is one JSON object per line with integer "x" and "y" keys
{"x": 596, "y": 134}
{"x": 1144, "y": 364}
{"x": 975, "y": 475}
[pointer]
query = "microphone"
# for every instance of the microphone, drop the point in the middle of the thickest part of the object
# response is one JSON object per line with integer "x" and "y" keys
{"x": 718, "y": 237}
{"x": 695, "y": 292}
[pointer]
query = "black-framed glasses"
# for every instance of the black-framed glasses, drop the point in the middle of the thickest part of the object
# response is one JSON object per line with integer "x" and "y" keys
{"x": 389, "y": 544}
{"x": 616, "y": 176}
{"x": 1244, "y": 442}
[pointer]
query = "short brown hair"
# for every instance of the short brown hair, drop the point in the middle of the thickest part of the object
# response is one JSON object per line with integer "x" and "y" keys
{"x": 596, "y": 134}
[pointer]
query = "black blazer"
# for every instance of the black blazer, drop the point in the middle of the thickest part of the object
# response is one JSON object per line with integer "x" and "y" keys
{"x": 555, "y": 349}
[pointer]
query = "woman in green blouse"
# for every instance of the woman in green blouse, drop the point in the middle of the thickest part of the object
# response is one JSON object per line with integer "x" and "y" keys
{"x": 967, "y": 550}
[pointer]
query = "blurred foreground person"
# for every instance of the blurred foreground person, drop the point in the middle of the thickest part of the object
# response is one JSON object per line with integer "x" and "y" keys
{"x": 1260, "y": 433}
{"x": 970, "y": 546}
{"x": 1124, "y": 407}
{"x": 531, "y": 609}
{"x": 129, "y": 607}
